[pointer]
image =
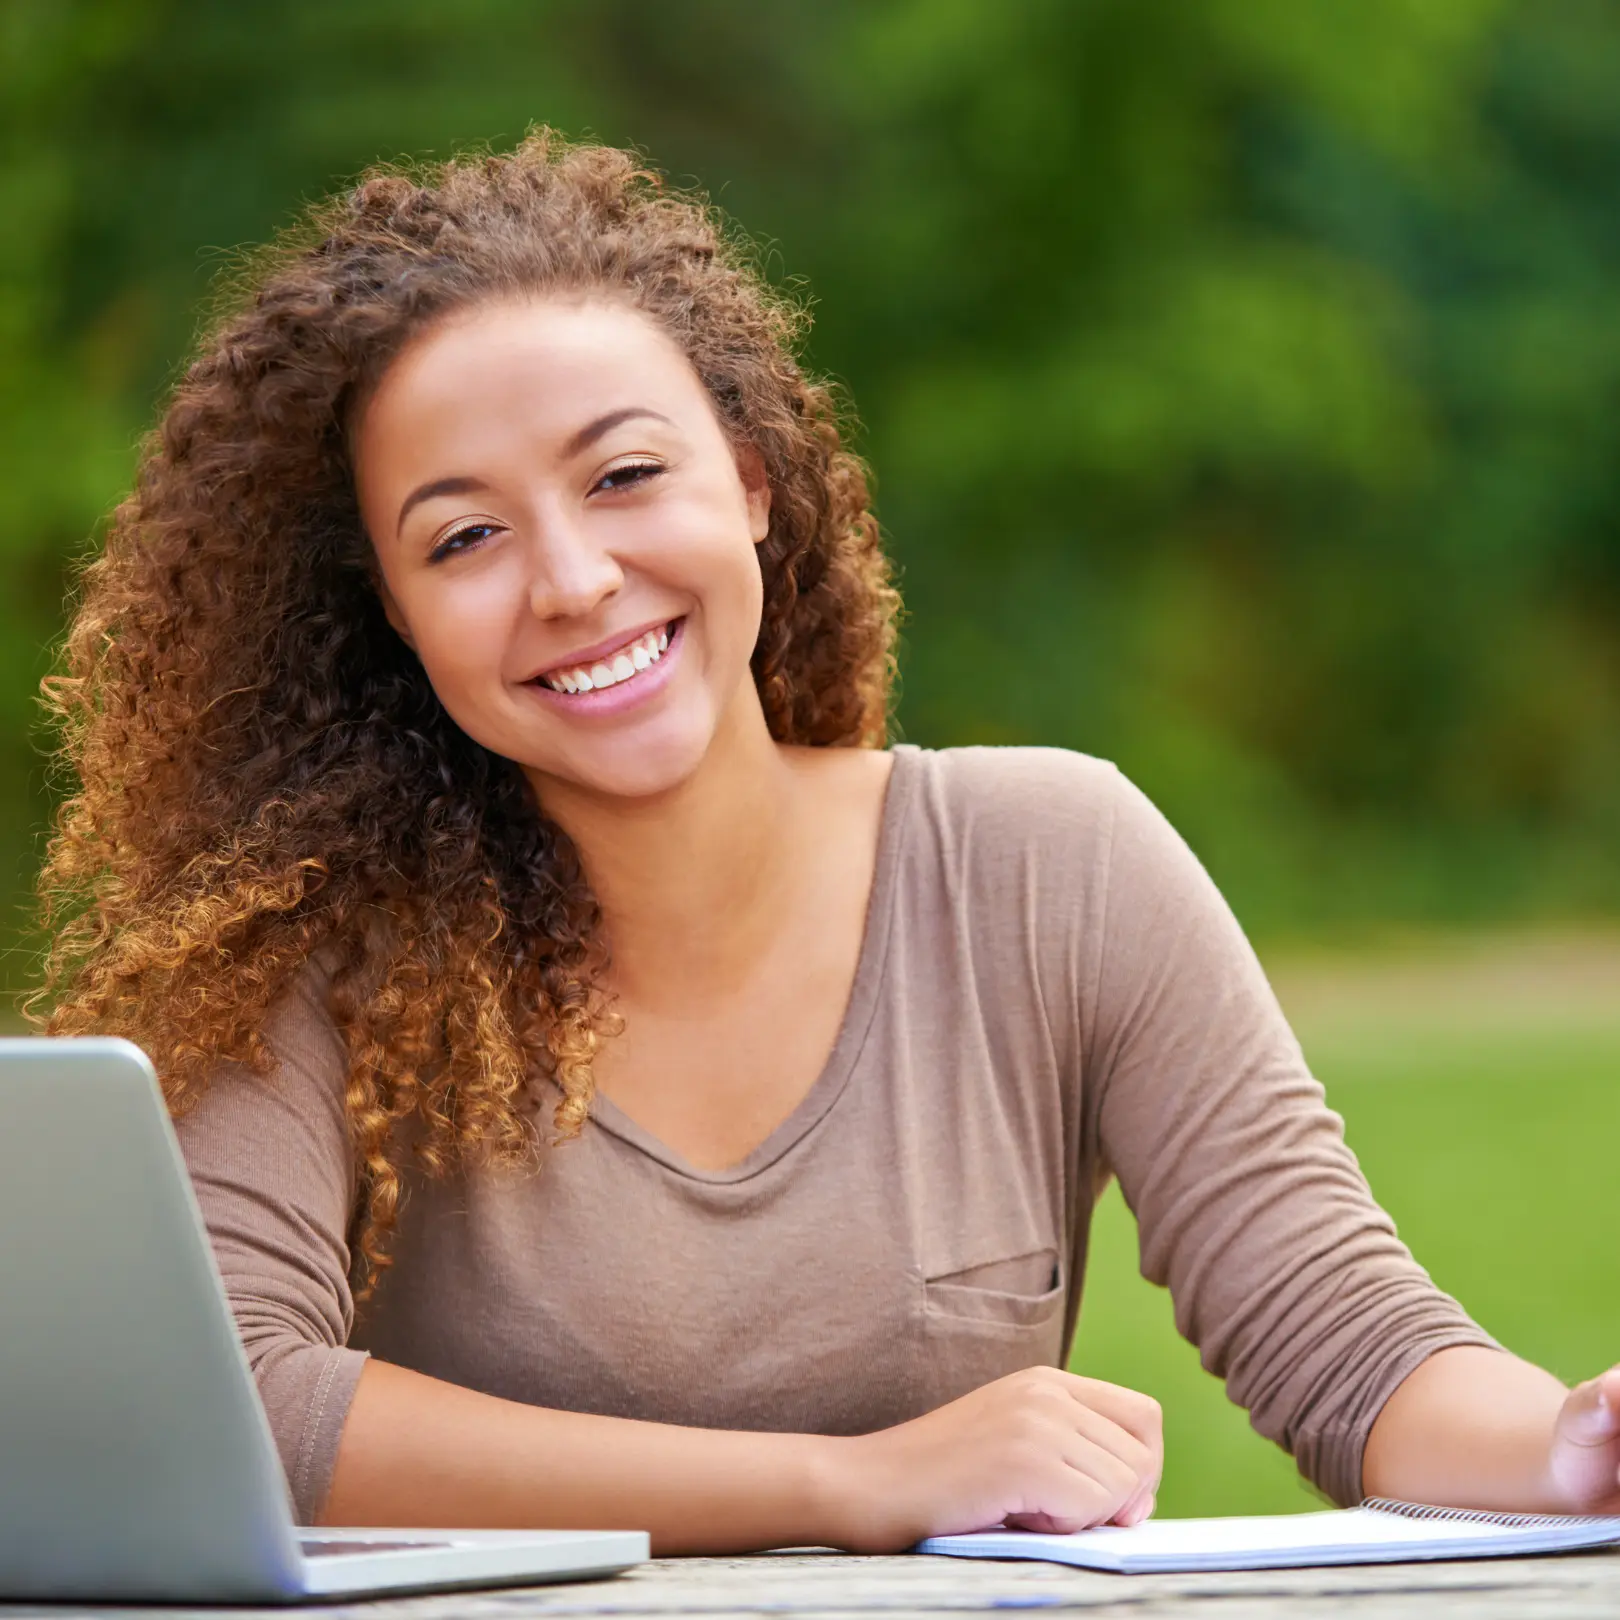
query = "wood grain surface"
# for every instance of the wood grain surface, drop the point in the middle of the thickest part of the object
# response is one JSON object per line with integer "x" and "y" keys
{"x": 1580, "y": 1586}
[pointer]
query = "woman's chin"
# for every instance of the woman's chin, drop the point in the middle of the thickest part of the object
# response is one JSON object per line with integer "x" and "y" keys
{"x": 642, "y": 764}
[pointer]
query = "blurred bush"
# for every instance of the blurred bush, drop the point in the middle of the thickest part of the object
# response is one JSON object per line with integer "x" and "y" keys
{"x": 1241, "y": 376}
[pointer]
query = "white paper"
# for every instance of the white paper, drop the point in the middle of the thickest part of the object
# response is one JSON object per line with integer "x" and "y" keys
{"x": 1345, "y": 1536}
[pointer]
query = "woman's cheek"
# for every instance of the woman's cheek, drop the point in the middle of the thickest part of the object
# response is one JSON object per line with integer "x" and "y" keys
{"x": 463, "y": 646}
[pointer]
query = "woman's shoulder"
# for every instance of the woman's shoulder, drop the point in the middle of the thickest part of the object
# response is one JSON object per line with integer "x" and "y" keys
{"x": 1028, "y": 792}
{"x": 1051, "y": 821}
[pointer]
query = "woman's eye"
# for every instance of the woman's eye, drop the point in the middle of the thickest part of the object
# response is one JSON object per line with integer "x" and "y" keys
{"x": 462, "y": 539}
{"x": 637, "y": 472}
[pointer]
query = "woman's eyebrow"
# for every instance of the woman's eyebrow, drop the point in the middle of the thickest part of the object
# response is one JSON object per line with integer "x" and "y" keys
{"x": 439, "y": 486}
{"x": 588, "y": 435}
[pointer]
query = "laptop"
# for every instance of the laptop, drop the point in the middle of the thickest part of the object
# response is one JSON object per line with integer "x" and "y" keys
{"x": 136, "y": 1463}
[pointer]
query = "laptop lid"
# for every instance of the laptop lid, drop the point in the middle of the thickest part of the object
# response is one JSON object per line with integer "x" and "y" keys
{"x": 135, "y": 1459}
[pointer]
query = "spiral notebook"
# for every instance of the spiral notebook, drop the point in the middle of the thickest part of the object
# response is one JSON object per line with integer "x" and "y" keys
{"x": 1377, "y": 1532}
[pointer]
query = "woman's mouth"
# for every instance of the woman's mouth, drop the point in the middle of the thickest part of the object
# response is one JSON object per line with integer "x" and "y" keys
{"x": 624, "y": 663}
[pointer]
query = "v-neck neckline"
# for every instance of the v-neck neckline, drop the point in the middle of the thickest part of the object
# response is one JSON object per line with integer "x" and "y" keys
{"x": 835, "y": 1074}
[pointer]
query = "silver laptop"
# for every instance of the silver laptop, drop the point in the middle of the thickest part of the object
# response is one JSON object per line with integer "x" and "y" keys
{"x": 135, "y": 1460}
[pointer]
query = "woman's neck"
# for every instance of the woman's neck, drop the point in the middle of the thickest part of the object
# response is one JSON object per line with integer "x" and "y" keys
{"x": 693, "y": 882}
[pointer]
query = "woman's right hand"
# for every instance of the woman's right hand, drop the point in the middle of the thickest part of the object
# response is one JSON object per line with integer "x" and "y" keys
{"x": 1037, "y": 1450}
{"x": 1040, "y": 1450}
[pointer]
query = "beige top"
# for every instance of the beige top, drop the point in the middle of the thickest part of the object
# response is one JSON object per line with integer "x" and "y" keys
{"x": 1050, "y": 991}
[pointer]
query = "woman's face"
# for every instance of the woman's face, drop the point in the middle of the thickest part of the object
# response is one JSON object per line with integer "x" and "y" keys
{"x": 566, "y": 539}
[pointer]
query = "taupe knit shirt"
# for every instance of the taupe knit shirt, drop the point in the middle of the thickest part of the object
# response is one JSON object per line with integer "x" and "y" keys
{"x": 1050, "y": 991}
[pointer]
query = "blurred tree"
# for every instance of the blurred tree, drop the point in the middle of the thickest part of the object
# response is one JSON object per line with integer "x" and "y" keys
{"x": 1240, "y": 375}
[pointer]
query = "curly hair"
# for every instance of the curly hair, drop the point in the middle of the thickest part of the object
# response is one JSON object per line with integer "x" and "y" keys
{"x": 261, "y": 770}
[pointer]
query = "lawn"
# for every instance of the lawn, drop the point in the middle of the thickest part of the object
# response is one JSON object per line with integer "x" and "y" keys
{"x": 1481, "y": 1091}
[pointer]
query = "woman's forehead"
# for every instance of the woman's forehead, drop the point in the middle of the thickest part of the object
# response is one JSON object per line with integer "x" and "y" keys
{"x": 552, "y": 357}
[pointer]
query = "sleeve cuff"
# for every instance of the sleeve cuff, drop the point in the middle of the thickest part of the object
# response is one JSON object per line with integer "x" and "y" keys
{"x": 1332, "y": 1459}
{"x": 309, "y": 1468}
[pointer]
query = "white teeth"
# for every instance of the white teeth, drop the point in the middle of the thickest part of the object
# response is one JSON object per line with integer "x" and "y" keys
{"x": 627, "y": 662}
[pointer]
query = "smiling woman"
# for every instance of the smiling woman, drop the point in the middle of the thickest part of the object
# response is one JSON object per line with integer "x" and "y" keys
{"x": 264, "y": 766}
{"x": 526, "y": 574}
{"x": 478, "y": 713}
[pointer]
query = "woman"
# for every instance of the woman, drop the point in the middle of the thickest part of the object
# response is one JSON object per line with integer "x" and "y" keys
{"x": 620, "y": 1090}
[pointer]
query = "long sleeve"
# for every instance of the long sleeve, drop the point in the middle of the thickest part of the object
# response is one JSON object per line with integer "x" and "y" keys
{"x": 1283, "y": 1270}
{"x": 269, "y": 1157}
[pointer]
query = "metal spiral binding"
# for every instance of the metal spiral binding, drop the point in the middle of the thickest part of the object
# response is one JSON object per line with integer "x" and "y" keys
{"x": 1505, "y": 1521}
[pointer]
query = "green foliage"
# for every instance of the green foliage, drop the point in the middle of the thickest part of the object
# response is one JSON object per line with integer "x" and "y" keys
{"x": 1239, "y": 375}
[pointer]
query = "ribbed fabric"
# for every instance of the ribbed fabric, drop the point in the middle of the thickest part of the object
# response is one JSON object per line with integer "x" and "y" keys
{"x": 1050, "y": 991}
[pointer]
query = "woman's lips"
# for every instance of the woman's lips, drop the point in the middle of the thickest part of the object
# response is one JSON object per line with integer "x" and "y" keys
{"x": 621, "y": 662}
{"x": 605, "y": 650}
{"x": 625, "y": 691}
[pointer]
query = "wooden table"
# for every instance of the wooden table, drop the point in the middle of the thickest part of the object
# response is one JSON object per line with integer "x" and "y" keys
{"x": 1576, "y": 1586}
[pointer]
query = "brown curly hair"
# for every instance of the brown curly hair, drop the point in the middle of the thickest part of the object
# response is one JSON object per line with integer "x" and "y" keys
{"x": 261, "y": 769}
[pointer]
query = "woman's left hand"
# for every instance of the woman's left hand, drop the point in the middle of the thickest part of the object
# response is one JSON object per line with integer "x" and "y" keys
{"x": 1585, "y": 1463}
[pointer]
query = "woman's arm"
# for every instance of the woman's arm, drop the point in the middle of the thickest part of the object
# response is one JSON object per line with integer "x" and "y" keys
{"x": 418, "y": 1451}
{"x": 1282, "y": 1268}
{"x": 1479, "y": 1428}
{"x": 1042, "y": 1448}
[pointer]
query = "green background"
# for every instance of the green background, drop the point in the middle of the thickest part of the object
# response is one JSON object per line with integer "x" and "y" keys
{"x": 1241, "y": 378}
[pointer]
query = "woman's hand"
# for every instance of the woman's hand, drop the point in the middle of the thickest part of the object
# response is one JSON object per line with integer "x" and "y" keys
{"x": 1037, "y": 1450}
{"x": 1585, "y": 1463}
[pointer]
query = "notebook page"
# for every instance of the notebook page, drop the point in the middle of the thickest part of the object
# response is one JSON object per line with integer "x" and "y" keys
{"x": 1353, "y": 1527}
{"x": 1353, "y": 1535}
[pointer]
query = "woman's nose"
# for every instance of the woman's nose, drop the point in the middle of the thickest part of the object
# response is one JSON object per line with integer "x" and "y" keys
{"x": 572, "y": 573}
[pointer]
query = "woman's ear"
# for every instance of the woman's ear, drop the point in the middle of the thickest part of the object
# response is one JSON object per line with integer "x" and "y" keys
{"x": 757, "y": 487}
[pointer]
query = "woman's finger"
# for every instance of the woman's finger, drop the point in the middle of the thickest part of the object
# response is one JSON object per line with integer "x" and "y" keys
{"x": 1119, "y": 1482}
{"x": 1128, "y": 1511}
{"x": 1143, "y": 1460}
{"x": 1591, "y": 1415}
{"x": 1140, "y": 1416}
{"x": 1139, "y": 1508}
{"x": 1609, "y": 1387}
{"x": 1064, "y": 1499}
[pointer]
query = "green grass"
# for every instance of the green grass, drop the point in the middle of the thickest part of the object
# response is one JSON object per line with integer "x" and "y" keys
{"x": 1491, "y": 1132}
